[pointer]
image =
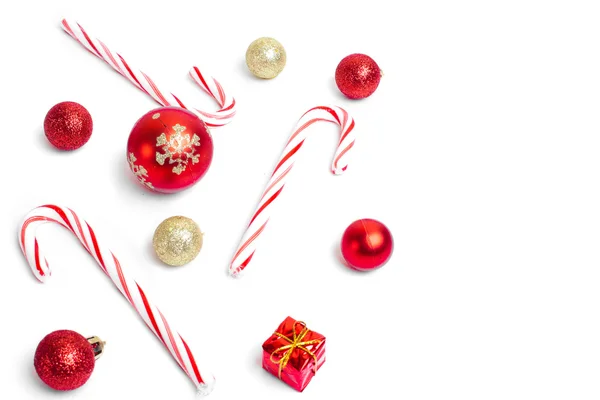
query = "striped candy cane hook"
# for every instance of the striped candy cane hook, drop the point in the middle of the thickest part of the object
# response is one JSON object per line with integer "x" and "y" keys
{"x": 111, "y": 266}
{"x": 143, "y": 82}
{"x": 261, "y": 216}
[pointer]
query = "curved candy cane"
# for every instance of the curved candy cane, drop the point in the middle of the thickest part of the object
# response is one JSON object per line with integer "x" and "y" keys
{"x": 147, "y": 85}
{"x": 128, "y": 287}
{"x": 259, "y": 220}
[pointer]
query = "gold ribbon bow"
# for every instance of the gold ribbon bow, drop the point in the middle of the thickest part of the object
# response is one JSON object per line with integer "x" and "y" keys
{"x": 295, "y": 343}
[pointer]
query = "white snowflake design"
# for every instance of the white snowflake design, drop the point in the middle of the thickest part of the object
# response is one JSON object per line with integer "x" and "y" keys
{"x": 179, "y": 149}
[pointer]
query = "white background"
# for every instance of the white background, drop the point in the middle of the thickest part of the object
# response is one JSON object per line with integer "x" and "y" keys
{"x": 479, "y": 150}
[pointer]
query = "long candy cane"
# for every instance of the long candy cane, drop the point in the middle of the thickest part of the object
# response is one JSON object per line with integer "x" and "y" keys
{"x": 147, "y": 85}
{"x": 107, "y": 261}
{"x": 259, "y": 220}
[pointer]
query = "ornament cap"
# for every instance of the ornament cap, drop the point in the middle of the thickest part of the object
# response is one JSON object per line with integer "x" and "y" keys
{"x": 97, "y": 346}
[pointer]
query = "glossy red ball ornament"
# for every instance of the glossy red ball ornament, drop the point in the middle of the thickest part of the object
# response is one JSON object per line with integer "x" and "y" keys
{"x": 64, "y": 360}
{"x": 357, "y": 76}
{"x": 169, "y": 149}
{"x": 68, "y": 125}
{"x": 367, "y": 244}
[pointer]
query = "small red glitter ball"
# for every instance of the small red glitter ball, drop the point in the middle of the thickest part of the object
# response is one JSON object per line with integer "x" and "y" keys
{"x": 68, "y": 125}
{"x": 367, "y": 244}
{"x": 357, "y": 76}
{"x": 169, "y": 149}
{"x": 64, "y": 360}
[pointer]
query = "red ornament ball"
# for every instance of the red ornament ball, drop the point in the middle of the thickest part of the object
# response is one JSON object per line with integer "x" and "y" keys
{"x": 68, "y": 125}
{"x": 357, "y": 76}
{"x": 169, "y": 149}
{"x": 64, "y": 360}
{"x": 367, "y": 244}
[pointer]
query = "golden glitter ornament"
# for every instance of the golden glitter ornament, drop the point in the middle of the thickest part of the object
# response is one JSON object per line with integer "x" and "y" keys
{"x": 177, "y": 241}
{"x": 265, "y": 58}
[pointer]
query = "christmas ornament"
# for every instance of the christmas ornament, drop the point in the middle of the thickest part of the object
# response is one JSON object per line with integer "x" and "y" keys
{"x": 68, "y": 125}
{"x": 357, "y": 76}
{"x": 143, "y": 82}
{"x": 65, "y": 360}
{"x": 177, "y": 241}
{"x": 367, "y": 244}
{"x": 294, "y": 353}
{"x": 265, "y": 58}
{"x": 110, "y": 265}
{"x": 169, "y": 149}
{"x": 261, "y": 216}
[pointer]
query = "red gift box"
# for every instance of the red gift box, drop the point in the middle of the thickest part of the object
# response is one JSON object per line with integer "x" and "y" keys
{"x": 294, "y": 353}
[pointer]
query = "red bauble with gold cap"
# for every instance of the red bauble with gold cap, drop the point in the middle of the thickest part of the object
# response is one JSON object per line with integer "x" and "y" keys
{"x": 169, "y": 149}
{"x": 65, "y": 360}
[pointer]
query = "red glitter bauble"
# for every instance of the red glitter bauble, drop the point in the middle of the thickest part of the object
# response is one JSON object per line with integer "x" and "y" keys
{"x": 64, "y": 360}
{"x": 367, "y": 244}
{"x": 357, "y": 76}
{"x": 68, "y": 125}
{"x": 169, "y": 149}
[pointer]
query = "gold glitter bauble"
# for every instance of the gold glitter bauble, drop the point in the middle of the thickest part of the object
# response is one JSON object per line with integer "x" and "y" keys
{"x": 265, "y": 58}
{"x": 177, "y": 241}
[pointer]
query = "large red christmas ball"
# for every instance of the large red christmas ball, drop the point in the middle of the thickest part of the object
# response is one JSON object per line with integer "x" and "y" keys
{"x": 64, "y": 360}
{"x": 357, "y": 76}
{"x": 169, "y": 149}
{"x": 367, "y": 244}
{"x": 68, "y": 125}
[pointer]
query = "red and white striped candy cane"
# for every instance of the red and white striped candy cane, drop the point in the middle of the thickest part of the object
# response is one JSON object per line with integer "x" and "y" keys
{"x": 107, "y": 261}
{"x": 147, "y": 85}
{"x": 261, "y": 216}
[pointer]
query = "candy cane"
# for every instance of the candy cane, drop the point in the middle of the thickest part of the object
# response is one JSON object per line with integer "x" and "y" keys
{"x": 259, "y": 220}
{"x": 147, "y": 85}
{"x": 128, "y": 287}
